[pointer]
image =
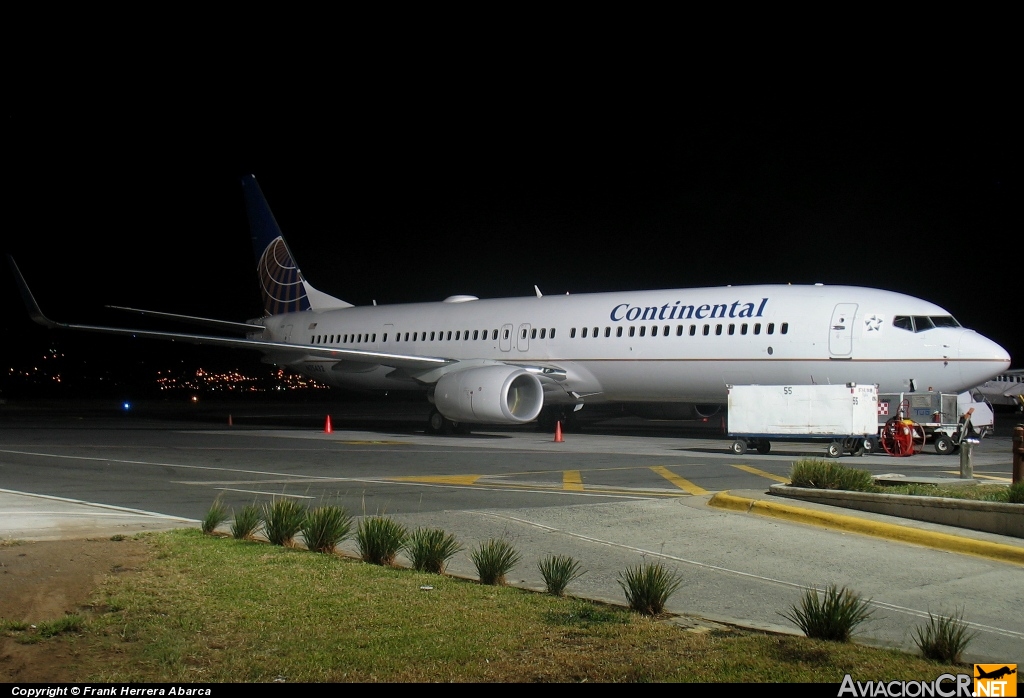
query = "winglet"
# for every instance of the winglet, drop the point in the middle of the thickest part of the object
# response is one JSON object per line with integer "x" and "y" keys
{"x": 34, "y": 311}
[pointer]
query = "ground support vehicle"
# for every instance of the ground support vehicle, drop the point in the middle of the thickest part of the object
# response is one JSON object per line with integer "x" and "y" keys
{"x": 928, "y": 416}
{"x": 843, "y": 416}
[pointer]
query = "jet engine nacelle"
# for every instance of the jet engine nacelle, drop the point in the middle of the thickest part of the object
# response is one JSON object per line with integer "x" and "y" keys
{"x": 489, "y": 395}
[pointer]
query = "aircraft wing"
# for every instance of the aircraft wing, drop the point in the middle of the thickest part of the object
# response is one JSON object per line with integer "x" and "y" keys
{"x": 226, "y": 325}
{"x": 279, "y": 352}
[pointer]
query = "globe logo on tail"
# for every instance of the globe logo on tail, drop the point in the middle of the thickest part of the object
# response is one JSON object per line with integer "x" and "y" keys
{"x": 280, "y": 280}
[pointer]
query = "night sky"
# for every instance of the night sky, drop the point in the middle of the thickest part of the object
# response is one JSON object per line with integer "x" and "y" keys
{"x": 412, "y": 199}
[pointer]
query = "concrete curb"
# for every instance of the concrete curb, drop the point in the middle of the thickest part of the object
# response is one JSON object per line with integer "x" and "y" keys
{"x": 992, "y": 517}
{"x": 906, "y": 534}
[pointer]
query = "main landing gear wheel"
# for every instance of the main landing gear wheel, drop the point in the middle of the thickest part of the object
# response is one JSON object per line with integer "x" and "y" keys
{"x": 834, "y": 449}
{"x": 437, "y": 423}
{"x": 763, "y": 446}
{"x": 739, "y": 447}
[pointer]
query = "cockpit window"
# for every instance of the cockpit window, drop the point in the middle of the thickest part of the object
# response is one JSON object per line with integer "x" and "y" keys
{"x": 923, "y": 323}
{"x": 944, "y": 321}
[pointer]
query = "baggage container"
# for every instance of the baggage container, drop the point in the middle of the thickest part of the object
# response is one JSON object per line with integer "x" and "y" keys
{"x": 843, "y": 416}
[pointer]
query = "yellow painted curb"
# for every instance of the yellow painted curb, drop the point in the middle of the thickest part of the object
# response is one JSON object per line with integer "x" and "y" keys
{"x": 905, "y": 534}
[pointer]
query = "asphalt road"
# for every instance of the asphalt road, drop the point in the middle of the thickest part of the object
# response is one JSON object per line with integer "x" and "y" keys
{"x": 606, "y": 497}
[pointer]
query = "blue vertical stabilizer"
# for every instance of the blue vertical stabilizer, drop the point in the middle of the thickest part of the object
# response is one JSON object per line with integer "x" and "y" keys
{"x": 283, "y": 288}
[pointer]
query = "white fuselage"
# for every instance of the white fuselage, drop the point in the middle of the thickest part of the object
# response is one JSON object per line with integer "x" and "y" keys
{"x": 678, "y": 345}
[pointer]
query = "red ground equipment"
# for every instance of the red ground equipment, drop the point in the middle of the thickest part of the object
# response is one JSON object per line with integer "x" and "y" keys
{"x": 897, "y": 436}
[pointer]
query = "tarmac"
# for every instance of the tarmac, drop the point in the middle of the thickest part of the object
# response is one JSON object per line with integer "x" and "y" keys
{"x": 637, "y": 528}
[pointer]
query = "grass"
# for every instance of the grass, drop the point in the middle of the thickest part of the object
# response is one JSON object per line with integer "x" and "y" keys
{"x": 943, "y": 638}
{"x": 430, "y": 549}
{"x": 289, "y": 614}
{"x": 494, "y": 559}
{"x": 68, "y": 624}
{"x": 246, "y": 522}
{"x": 379, "y": 539}
{"x": 833, "y": 616}
{"x": 215, "y": 516}
{"x": 282, "y": 520}
{"x": 829, "y": 475}
{"x": 325, "y": 527}
{"x": 558, "y": 572}
{"x": 648, "y": 587}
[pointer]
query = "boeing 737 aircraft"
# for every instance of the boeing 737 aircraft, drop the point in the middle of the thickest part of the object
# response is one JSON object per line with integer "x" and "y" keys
{"x": 502, "y": 361}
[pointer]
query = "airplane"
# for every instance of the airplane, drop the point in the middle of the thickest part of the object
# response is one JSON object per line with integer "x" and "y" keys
{"x": 995, "y": 673}
{"x": 510, "y": 361}
{"x": 1004, "y": 390}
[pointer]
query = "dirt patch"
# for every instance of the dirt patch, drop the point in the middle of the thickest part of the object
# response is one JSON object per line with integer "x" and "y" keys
{"x": 44, "y": 581}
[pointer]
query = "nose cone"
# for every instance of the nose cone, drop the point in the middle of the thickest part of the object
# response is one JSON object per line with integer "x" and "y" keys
{"x": 980, "y": 359}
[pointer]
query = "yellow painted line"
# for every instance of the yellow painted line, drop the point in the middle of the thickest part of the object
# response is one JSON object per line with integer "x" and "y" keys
{"x": 681, "y": 483}
{"x": 982, "y": 477}
{"x": 374, "y": 443}
{"x": 438, "y": 479}
{"x": 571, "y": 480}
{"x": 755, "y": 471}
{"x": 867, "y": 527}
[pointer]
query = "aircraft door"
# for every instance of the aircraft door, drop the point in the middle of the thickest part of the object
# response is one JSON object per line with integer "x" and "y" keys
{"x": 505, "y": 338}
{"x": 840, "y": 334}
{"x": 286, "y": 333}
{"x": 523, "y": 337}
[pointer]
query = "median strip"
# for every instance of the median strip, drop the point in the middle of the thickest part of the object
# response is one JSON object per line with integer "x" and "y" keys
{"x": 878, "y": 529}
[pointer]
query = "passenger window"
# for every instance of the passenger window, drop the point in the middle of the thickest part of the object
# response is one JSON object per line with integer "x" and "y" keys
{"x": 718, "y": 329}
{"x": 597, "y": 331}
{"x": 693, "y": 330}
{"x": 506, "y": 334}
{"x": 495, "y": 335}
{"x": 450, "y": 335}
{"x": 584, "y": 332}
{"x": 679, "y": 330}
{"x": 414, "y": 336}
{"x": 771, "y": 328}
{"x": 632, "y": 331}
{"x": 757, "y": 328}
{"x": 732, "y": 328}
{"x": 654, "y": 330}
{"x": 643, "y": 330}
{"x": 543, "y": 331}
{"x": 385, "y": 337}
{"x": 607, "y": 332}
{"x": 552, "y": 333}
{"x": 618, "y": 331}
{"x": 524, "y": 334}
{"x": 784, "y": 329}
{"x": 665, "y": 331}
{"x": 374, "y": 337}
{"x": 743, "y": 328}
{"x": 572, "y": 333}
{"x": 707, "y": 330}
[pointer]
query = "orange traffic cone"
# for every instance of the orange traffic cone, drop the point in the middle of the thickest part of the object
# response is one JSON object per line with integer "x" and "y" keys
{"x": 327, "y": 425}
{"x": 230, "y": 423}
{"x": 558, "y": 433}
